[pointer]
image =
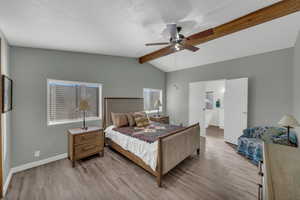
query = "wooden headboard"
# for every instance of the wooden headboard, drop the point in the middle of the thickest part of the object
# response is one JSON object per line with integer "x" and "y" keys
{"x": 120, "y": 105}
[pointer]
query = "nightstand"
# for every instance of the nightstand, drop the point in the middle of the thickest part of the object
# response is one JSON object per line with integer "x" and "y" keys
{"x": 160, "y": 119}
{"x": 85, "y": 142}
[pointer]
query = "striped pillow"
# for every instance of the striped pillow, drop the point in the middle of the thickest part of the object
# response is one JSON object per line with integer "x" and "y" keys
{"x": 119, "y": 119}
{"x": 130, "y": 119}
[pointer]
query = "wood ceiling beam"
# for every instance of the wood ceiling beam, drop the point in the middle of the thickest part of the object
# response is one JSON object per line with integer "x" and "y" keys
{"x": 277, "y": 10}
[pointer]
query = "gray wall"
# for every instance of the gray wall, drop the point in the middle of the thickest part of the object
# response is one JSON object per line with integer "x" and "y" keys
{"x": 30, "y": 69}
{"x": 296, "y": 85}
{"x": 6, "y": 117}
{"x": 270, "y": 85}
{"x": 270, "y": 89}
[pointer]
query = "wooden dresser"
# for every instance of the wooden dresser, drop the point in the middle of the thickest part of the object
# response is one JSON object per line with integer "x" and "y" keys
{"x": 160, "y": 119}
{"x": 280, "y": 173}
{"x": 83, "y": 143}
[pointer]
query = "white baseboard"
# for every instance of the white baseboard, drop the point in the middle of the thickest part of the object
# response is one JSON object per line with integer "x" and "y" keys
{"x": 29, "y": 166}
{"x": 7, "y": 182}
{"x": 38, "y": 163}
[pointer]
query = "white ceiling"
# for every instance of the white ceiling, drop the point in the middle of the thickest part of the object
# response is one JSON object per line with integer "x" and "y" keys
{"x": 122, "y": 27}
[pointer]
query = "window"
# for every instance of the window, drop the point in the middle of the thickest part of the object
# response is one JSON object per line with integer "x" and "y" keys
{"x": 150, "y": 96}
{"x": 64, "y": 98}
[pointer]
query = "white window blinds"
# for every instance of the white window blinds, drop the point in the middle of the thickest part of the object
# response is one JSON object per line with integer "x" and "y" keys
{"x": 64, "y": 98}
{"x": 150, "y": 96}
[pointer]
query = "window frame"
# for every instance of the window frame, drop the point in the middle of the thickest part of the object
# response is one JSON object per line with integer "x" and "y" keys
{"x": 161, "y": 100}
{"x": 100, "y": 87}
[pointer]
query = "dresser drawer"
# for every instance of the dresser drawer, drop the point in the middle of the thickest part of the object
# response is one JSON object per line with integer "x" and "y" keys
{"x": 85, "y": 150}
{"x": 87, "y": 138}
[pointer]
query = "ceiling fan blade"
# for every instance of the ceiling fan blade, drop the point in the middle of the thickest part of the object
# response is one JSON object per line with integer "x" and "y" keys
{"x": 158, "y": 43}
{"x": 190, "y": 47}
{"x": 173, "y": 30}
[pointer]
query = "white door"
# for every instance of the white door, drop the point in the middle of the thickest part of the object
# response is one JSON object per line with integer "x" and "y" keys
{"x": 235, "y": 109}
{"x": 197, "y": 105}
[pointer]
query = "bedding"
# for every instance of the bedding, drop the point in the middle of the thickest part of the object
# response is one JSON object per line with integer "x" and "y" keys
{"x": 144, "y": 150}
{"x": 149, "y": 133}
{"x": 141, "y": 141}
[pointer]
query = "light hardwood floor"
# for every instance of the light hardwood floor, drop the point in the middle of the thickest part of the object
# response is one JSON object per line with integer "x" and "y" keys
{"x": 219, "y": 173}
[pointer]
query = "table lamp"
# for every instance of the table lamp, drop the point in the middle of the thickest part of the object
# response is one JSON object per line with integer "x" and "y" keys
{"x": 84, "y": 107}
{"x": 288, "y": 121}
{"x": 157, "y": 104}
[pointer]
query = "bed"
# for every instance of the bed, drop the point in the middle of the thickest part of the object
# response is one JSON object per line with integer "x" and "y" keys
{"x": 158, "y": 157}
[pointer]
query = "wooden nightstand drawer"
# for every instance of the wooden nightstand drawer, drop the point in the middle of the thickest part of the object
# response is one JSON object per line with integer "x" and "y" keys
{"x": 86, "y": 138}
{"x": 164, "y": 120}
{"x": 84, "y": 150}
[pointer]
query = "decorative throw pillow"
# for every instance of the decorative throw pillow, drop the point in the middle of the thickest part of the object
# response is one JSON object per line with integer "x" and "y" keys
{"x": 130, "y": 119}
{"x": 141, "y": 119}
{"x": 276, "y": 131}
{"x": 119, "y": 119}
{"x": 141, "y": 113}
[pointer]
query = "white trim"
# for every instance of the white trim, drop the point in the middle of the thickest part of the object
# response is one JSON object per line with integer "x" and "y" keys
{"x": 154, "y": 111}
{"x": 7, "y": 182}
{"x": 74, "y": 121}
{"x": 38, "y": 163}
{"x": 30, "y": 165}
{"x": 20, "y": 168}
{"x": 73, "y": 82}
{"x": 99, "y": 85}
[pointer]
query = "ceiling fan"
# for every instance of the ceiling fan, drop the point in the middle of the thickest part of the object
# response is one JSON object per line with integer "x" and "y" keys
{"x": 269, "y": 13}
{"x": 177, "y": 41}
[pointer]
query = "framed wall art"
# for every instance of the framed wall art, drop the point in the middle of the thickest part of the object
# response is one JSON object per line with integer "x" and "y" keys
{"x": 7, "y": 88}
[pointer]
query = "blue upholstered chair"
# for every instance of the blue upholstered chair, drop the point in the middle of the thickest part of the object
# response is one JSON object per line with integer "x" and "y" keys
{"x": 251, "y": 142}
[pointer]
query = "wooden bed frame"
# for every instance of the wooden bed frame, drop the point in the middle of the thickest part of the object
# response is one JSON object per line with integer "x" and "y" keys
{"x": 158, "y": 173}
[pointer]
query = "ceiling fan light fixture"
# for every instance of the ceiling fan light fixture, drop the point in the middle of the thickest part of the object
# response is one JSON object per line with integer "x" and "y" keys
{"x": 177, "y": 47}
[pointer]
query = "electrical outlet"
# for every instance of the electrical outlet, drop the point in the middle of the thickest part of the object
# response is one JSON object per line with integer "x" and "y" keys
{"x": 37, "y": 154}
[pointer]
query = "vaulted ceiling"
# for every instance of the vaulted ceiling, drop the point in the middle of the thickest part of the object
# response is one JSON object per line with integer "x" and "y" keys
{"x": 122, "y": 27}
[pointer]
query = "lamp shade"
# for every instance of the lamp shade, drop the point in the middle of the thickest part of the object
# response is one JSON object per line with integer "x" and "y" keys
{"x": 84, "y": 105}
{"x": 157, "y": 103}
{"x": 289, "y": 121}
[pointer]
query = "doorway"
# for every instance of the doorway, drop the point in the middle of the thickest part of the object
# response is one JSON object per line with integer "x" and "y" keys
{"x": 220, "y": 107}
{"x": 1, "y": 162}
{"x": 214, "y": 107}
